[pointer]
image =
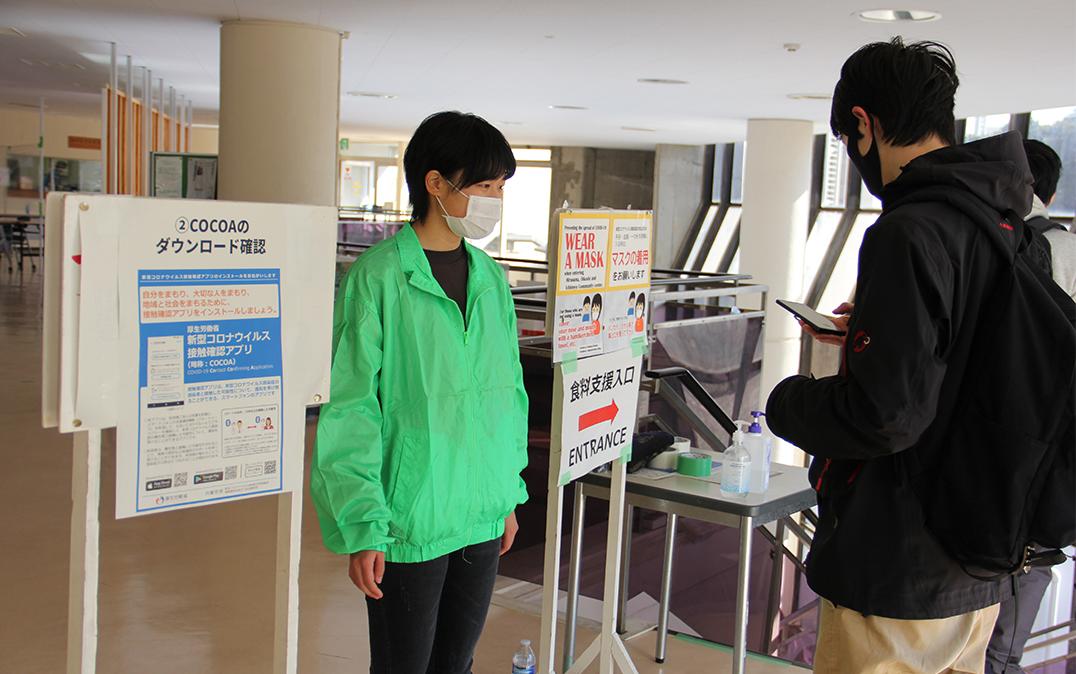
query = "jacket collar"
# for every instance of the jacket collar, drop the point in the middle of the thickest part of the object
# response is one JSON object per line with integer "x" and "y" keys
{"x": 416, "y": 266}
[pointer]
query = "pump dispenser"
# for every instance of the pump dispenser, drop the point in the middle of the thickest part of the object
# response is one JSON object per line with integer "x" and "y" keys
{"x": 760, "y": 447}
{"x": 736, "y": 465}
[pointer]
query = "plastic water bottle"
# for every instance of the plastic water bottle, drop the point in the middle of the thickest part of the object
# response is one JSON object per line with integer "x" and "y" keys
{"x": 523, "y": 661}
{"x": 736, "y": 465}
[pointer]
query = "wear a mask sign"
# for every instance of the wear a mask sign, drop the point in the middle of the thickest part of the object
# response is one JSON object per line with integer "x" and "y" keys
{"x": 603, "y": 276}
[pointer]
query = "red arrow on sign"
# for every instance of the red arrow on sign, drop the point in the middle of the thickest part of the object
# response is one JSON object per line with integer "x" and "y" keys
{"x": 600, "y": 415}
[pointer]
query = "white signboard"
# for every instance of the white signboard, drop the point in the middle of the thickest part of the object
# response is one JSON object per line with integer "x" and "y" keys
{"x": 603, "y": 275}
{"x": 201, "y": 331}
{"x": 598, "y": 400}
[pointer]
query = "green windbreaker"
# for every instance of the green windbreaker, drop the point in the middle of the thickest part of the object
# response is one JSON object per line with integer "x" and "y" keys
{"x": 420, "y": 448}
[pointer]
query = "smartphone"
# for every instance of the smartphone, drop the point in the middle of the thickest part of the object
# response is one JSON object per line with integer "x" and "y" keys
{"x": 821, "y": 323}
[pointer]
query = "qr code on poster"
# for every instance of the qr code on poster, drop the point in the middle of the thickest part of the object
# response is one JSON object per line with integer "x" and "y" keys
{"x": 231, "y": 472}
{"x": 180, "y": 480}
{"x": 270, "y": 467}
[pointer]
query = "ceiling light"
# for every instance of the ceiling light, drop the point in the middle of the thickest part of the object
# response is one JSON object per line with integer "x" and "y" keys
{"x": 810, "y": 97}
{"x": 511, "y": 123}
{"x": 566, "y": 107}
{"x": 26, "y": 62}
{"x": 659, "y": 80}
{"x": 637, "y": 128}
{"x": 11, "y": 30}
{"x": 895, "y": 15}
{"x": 205, "y": 126}
{"x": 372, "y": 94}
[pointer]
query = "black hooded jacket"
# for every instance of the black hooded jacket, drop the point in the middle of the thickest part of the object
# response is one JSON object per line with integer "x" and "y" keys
{"x": 925, "y": 268}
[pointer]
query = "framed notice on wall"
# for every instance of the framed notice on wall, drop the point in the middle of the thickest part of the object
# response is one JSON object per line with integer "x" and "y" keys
{"x": 183, "y": 175}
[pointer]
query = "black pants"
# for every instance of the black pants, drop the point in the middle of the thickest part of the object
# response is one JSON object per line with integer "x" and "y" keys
{"x": 1014, "y": 626}
{"x": 432, "y": 614}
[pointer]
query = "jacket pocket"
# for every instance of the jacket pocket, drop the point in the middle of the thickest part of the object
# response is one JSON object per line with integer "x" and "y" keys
{"x": 403, "y": 494}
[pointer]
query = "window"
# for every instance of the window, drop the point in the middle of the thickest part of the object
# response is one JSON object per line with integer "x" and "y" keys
{"x": 867, "y": 201}
{"x": 357, "y": 183}
{"x": 843, "y": 280}
{"x": 738, "y": 154}
{"x": 834, "y": 174}
{"x": 977, "y": 128}
{"x": 1057, "y": 128}
{"x": 725, "y": 231}
{"x": 526, "y": 212}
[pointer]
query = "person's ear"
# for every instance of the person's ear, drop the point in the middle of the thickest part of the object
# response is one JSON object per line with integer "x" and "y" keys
{"x": 865, "y": 126}
{"x": 436, "y": 185}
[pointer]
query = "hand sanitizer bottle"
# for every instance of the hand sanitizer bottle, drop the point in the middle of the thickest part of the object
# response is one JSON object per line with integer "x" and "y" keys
{"x": 760, "y": 447}
{"x": 736, "y": 465}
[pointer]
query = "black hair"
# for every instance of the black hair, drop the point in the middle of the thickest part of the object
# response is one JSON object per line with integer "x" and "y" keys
{"x": 641, "y": 299}
{"x": 909, "y": 88}
{"x": 464, "y": 148}
{"x": 597, "y": 303}
{"x": 1045, "y": 168}
{"x": 632, "y": 295}
{"x": 586, "y": 300}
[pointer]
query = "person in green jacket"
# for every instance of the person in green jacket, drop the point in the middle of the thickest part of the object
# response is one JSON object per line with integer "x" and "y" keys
{"x": 419, "y": 451}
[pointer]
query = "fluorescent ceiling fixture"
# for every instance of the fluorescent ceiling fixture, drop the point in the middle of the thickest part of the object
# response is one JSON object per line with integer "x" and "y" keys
{"x": 566, "y": 107}
{"x": 659, "y": 80}
{"x": 372, "y": 94}
{"x": 810, "y": 97}
{"x": 205, "y": 126}
{"x": 638, "y": 128}
{"x": 11, "y": 30}
{"x": 895, "y": 15}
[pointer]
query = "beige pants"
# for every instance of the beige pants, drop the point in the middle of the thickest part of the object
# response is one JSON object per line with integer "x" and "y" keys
{"x": 850, "y": 643}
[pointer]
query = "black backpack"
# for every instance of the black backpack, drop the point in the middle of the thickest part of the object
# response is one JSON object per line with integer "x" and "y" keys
{"x": 1001, "y": 497}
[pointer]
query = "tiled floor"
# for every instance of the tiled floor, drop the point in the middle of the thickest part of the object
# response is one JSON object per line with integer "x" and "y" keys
{"x": 188, "y": 591}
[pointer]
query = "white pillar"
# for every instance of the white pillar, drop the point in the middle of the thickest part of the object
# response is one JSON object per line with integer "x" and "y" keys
{"x": 279, "y": 112}
{"x": 773, "y": 236}
{"x": 279, "y": 118}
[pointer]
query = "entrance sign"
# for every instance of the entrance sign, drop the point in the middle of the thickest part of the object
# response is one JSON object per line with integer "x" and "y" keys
{"x": 598, "y": 417}
{"x": 602, "y": 277}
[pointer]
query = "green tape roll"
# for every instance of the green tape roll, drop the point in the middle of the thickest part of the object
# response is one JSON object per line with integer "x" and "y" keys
{"x": 694, "y": 464}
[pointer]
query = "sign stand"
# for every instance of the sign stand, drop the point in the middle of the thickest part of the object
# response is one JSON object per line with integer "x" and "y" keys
{"x": 85, "y": 553}
{"x": 596, "y": 318}
{"x": 197, "y": 284}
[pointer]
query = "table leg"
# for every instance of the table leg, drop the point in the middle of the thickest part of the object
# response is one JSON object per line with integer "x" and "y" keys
{"x": 773, "y": 607}
{"x": 625, "y": 570}
{"x": 743, "y": 577}
{"x": 666, "y": 589}
{"x": 576, "y": 554}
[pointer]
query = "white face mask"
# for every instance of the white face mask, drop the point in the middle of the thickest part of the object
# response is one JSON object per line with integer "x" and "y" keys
{"x": 483, "y": 214}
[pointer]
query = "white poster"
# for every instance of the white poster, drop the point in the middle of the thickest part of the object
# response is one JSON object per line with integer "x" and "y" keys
{"x": 597, "y": 401}
{"x": 210, "y": 386}
{"x": 168, "y": 176}
{"x": 603, "y": 276}
{"x": 201, "y": 178}
{"x": 201, "y": 331}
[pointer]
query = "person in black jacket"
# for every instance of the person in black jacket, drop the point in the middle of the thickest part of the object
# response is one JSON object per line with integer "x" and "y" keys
{"x": 892, "y": 598}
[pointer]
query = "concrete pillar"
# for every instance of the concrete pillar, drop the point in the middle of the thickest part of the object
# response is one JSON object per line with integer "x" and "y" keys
{"x": 279, "y": 112}
{"x": 773, "y": 236}
{"x": 279, "y": 123}
{"x": 678, "y": 178}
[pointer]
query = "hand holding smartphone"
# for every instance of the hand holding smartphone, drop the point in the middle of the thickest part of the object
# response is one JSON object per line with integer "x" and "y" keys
{"x": 820, "y": 323}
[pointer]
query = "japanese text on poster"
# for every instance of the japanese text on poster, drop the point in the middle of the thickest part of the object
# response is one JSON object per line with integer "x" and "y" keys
{"x": 210, "y": 383}
{"x": 598, "y": 419}
{"x": 603, "y": 276}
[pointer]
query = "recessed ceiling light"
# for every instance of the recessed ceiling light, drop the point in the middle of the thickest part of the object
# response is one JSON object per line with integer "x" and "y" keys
{"x": 11, "y": 30}
{"x": 659, "y": 80}
{"x": 810, "y": 97}
{"x": 566, "y": 107}
{"x": 895, "y": 15}
{"x": 637, "y": 128}
{"x": 372, "y": 94}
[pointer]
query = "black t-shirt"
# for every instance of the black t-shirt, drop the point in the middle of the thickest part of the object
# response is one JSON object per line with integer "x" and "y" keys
{"x": 450, "y": 270}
